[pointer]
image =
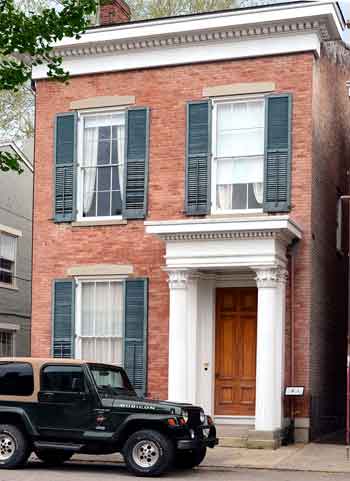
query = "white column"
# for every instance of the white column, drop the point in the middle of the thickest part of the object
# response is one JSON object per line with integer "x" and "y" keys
{"x": 182, "y": 336}
{"x": 270, "y": 348}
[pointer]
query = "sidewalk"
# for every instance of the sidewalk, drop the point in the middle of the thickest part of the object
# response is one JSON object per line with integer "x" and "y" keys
{"x": 326, "y": 458}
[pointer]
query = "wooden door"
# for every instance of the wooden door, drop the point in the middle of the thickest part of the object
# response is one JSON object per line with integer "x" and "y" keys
{"x": 235, "y": 363}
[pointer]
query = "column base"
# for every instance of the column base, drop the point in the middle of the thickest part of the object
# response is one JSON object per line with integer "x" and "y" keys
{"x": 264, "y": 439}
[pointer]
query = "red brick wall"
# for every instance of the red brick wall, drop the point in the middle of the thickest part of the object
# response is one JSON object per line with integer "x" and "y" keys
{"x": 331, "y": 145}
{"x": 114, "y": 11}
{"x": 165, "y": 91}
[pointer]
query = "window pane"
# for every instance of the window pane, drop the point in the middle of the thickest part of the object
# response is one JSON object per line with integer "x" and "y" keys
{"x": 90, "y": 204}
{"x": 240, "y": 129}
{"x": 255, "y": 195}
{"x": 117, "y": 204}
{"x": 6, "y": 264}
{"x": 16, "y": 379}
{"x": 5, "y": 277}
{"x": 103, "y": 204}
{"x": 63, "y": 379}
{"x": 8, "y": 246}
{"x": 6, "y": 344}
{"x": 87, "y": 309}
{"x": 104, "y": 133}
{"x": 103, "y": 152}
{"x": 104, "y": 178}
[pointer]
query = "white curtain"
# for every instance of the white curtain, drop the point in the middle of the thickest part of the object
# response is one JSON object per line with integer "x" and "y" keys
{"x": 258, "y": 188}
{"x": 102, "y": 322}
{"x": 8, "y": 247}
{"x": 120, "y": 150}
{"x": 224, "y": 196}
{"x": 240, "y": 129}
{"x": 89, "y": 164}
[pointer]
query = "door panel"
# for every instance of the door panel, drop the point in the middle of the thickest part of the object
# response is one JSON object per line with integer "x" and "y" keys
{"x": 235, "y": 365}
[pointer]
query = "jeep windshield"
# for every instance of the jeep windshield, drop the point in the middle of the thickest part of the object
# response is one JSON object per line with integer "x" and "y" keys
{"x": 111, "y": 381}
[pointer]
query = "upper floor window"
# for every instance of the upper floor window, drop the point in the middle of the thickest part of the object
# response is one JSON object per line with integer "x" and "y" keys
{"x": 8, "y": 247}
{"x": 238, "y": 147}
{"x": 101, "y": 165}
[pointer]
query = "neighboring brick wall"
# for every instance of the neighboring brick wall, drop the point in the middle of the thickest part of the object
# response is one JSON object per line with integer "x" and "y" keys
{"x": 114, "y": 11}
{"x": 166, "y": 91}
{"x": 331, "y": 130}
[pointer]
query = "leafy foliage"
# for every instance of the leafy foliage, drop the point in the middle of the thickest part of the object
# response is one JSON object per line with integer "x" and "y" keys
{"x": 27, "y": 38}
{"x": 168, "y": 8}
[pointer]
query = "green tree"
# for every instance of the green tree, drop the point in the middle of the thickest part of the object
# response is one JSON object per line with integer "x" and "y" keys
{"x": 28, "y": 31}
{"x": 27, "y": 37}
{"x": 168, "y": 8}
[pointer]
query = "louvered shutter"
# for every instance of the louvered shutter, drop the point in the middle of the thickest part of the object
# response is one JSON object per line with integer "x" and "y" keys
{"x": 135, "y": 337}
{"x": 65, "y": 150}
{"x": 198, "y": 158}
{"x": 63, "y": 319}
{"x": 136, "y": 169}
{"x": 277, "y": 169}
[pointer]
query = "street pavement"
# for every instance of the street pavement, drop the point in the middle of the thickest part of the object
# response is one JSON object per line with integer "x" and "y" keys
{"x": 80, "y": 471}
{"x": 36, "y": 471}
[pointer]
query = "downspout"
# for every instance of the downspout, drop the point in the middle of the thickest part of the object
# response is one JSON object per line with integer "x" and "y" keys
{"x": 291, "y": 256}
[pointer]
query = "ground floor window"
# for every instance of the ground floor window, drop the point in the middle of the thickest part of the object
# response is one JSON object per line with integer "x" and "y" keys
{"x": 7, "y": 344}
{"x": 100, "y": 321}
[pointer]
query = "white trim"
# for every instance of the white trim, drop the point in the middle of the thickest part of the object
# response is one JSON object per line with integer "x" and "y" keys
{"x": 10, "y": 230}
{"x": 18, "y": 151}
{"x": 82, "y": 114}
{"x": 215, "y": 50}
{"x": 234, "y": 420}
{"x": 219, "y": 101}
{"x": 5, "y": 326}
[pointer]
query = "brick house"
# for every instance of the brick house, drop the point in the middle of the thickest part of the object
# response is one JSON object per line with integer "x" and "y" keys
{"x": 185, "y": 220}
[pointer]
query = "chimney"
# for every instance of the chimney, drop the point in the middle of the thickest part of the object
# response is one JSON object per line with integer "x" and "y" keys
{"x": 114, "y": 11}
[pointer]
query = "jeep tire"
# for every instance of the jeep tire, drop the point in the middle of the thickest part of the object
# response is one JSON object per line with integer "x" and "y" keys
{"x": 53, "y": 457}
{"x": 14, "y": 447}
{"x": 190, "y": 459}
{"x": 148, "y": 453}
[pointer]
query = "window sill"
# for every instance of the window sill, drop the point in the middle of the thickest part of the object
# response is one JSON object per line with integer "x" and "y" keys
{"x": 248, "y": 213}
{"x": 8, "y": 286}
{"x": 92, "y": 223}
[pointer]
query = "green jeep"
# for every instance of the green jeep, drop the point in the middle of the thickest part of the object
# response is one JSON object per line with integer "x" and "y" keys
{"x": 58, "y": 407}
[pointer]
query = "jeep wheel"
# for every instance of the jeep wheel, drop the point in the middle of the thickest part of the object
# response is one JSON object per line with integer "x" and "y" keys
{"x": 14, "y": 448}
{"x": 148, "y": 453}
{"x": 53, "y": 457}
{"x": 190, "y": 459}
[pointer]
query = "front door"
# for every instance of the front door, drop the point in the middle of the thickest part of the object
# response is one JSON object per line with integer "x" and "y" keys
{"x": 235, "y": 363}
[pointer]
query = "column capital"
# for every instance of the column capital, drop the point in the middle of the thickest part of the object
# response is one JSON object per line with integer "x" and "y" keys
{"x": 178, "y": 278}
{"x": 270, "y": 276}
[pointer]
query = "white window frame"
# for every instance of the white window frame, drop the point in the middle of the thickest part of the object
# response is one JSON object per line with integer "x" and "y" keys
{"x": 13, "y": 285}
{"x": 339, "y": 228}
{"x": 215, "y": 103}
{"x": 78, "y": 310}
{"x": 12, "y": 334}
{"x": 80, "y": 153}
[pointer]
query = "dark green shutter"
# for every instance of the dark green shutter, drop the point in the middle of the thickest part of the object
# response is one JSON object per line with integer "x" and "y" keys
{"x": 135, "y": 340}
{"x": 136, "y": 169}
{"x": 63, "y": 319}
{"x": 198, "y": 158}
{"x": 65, "y": 151}
{"x": 277, "y": 170}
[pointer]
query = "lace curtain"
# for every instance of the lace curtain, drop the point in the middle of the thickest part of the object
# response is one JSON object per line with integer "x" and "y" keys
{"x": 8, "y": 247}
{"x": 90, "y": 152}
{"x": 101, "y": 331}
{"x": 240, "y": 149}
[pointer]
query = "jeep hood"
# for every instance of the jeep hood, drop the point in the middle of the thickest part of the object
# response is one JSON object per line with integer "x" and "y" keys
{"x": 144, "y": 404}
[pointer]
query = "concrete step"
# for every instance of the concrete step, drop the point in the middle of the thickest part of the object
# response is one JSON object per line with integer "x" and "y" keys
{"x": 233, "y": 435}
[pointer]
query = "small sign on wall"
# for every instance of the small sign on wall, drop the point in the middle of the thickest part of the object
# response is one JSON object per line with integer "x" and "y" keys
{"x": 294, "y": 391}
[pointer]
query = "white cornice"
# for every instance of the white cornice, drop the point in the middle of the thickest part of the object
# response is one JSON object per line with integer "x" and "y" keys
{"x": 218, "y": 30}
{"x": 264, "y": 227}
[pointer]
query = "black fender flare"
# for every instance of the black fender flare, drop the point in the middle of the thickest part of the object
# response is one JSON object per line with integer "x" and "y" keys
{"x": 147, "y": 420}
{"x": 30, "y": 428}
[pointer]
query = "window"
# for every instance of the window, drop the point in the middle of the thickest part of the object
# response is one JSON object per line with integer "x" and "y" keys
{"x": 63, "y": 379}
{"x": 8, "y": 247}
{"x": 100, "y": 325}
{"x": 16, "y": 379}
{"x": 238, "y": 167}
{"x": 101, "y": 164}
{"x": 111, "y": 381}
{"x": 339, "y": 232}
{"x": 7, "y": 344}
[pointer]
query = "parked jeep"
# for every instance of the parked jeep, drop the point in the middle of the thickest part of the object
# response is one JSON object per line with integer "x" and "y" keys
{"x": 58, "y": 407}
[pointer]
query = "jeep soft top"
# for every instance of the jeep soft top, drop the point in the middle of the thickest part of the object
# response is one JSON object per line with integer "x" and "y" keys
{"x": 58, "y": 407}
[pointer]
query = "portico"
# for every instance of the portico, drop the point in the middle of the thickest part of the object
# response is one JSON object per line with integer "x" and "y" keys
{"x": 230, "y": 360}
